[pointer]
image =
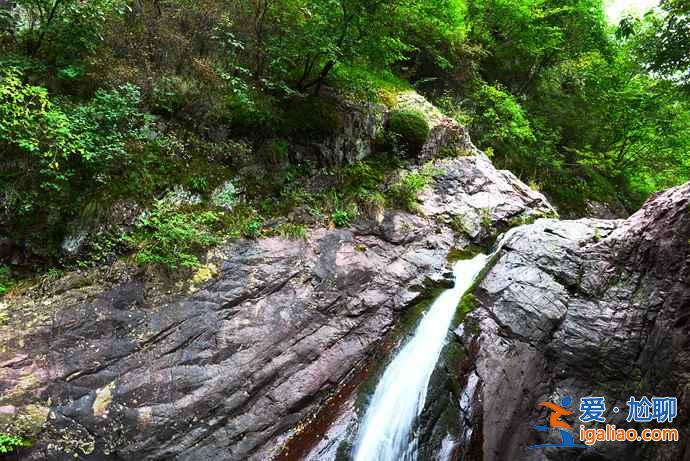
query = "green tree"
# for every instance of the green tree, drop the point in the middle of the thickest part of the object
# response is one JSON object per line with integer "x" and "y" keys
{"x": 62, "y": 32}
{"x": 58, "y": 155}
{"x": 666, "y": 44}
{"x": 525, "y": 37}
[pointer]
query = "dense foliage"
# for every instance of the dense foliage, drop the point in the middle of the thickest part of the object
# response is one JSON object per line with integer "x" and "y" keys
{"x": 567, "y": 101}
{"x": 112, "y": 100}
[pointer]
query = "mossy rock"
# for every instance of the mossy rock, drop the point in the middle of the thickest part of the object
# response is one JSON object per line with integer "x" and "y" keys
{"x": 25, "y": 422}
{"x": 204, "y": 274}
{"x": 410, "y": 128}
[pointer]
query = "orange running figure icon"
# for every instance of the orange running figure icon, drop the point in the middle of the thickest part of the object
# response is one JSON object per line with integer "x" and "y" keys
{"x": 567, "y": 439}
{"x": 558, "y": 412}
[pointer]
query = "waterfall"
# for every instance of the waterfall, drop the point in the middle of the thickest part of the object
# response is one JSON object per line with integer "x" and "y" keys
{"x": 387, "y": 430}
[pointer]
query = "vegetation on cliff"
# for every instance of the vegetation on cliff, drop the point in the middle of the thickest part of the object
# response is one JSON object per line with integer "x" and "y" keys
{"x": 111, "y": 101}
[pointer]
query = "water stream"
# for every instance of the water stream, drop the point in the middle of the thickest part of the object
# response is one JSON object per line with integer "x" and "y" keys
{"x": 387, "y": 432}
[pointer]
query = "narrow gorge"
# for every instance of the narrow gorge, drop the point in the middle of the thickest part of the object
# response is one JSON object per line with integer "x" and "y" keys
{"x": 278, "y": 354}
{"x": 345, "y": 230}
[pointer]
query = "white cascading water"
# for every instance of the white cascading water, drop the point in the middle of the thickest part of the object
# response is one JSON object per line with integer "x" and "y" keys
{"x": 387, "y": 432}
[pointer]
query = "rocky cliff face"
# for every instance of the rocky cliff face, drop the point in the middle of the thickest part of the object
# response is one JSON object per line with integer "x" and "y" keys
{"x": 116, "y": 369}
{"x": 113, "y": 365}
{"x": 579, "y": 308}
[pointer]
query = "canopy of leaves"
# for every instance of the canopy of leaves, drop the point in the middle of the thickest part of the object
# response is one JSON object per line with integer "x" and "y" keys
{"x": 666, "y": 44}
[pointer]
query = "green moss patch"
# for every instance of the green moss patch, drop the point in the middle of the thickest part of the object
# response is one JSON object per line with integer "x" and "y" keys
{"x": 410, "y": 129}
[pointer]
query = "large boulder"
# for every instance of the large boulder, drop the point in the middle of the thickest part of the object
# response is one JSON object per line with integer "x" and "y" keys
{"x": 445, "y": 134}
{"x": 580, "y": 308}
{"x": 361, "y": 126}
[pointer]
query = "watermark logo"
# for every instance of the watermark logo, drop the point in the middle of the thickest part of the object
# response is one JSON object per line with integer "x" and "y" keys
{"x": 593, "y": 410}
{"x": 555, "y": 422}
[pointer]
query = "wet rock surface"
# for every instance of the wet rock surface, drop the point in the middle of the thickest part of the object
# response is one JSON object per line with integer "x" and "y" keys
{"x": 580, "y": 308}
{"x": 229, "y": 369}
{"x": 477, "y": 200}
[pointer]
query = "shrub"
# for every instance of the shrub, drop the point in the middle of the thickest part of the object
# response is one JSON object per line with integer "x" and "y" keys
{"x": 500, "y": 123}
{"x": 241, "y": 222}
{"x": 171, "y": 236}
{"x": 64, "y": 32}
{"x": 6, "y": 281}
{"x": 170, "y": 95}
{"x": 36, "y": 141}
{"x": 342, "y": 217}
{"x": 108, "y": 123}
{"x": 250, "y": 114}
{"x": 9, "y": 443}
{"x": 410, "y": 129}
{"x": 28, "y": 120}
{"x": 362, "y": 177}
{"x": 65, "y": 148}
{"x": 254, "y": 228}
{"x": 292, "y": 231}
{"x": 58, "y": 155}
{"x": 71, "y": 72}
{"x": 403, "y": 193}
